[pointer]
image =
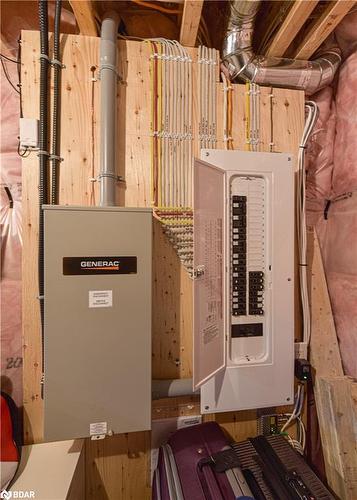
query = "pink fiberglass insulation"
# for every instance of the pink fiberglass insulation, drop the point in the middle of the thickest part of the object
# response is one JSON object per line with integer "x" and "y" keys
{"x": 15, "y": 16}
{"x": 332, "y": 175}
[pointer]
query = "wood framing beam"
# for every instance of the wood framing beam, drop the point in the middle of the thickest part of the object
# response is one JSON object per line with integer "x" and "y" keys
{"x": 322, "y": 27}
{"x": 297, "y": 15}
{"x": 337, "y": 422}
{"x": 85, "y": 16}
{"x": 324, "y": 349}
{"x": 335, "y": 394}
{"x": 191, "y": 17}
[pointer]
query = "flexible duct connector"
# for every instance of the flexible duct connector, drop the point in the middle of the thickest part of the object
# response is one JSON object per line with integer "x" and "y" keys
{"x": 241, "y": 62}
{"x": 108, "y": 78}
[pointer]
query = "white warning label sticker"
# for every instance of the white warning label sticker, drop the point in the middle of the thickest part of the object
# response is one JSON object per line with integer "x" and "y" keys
{"x": 101, "y": 298}
{"x": 98, "y": 428}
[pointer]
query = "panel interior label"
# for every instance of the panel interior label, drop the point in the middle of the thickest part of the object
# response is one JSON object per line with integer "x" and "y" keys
{"x": 99, "y": 265}
{"x": 247, "y": 330}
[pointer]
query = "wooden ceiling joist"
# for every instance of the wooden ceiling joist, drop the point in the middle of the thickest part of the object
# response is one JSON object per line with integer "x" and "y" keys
{"x": 296, "y": 17}
{"x": 85, "y": 16}
{"x": 191, "y": 17}
{"x": 322, "y": 27}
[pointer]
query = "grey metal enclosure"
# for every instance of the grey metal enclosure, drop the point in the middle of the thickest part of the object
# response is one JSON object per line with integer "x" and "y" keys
{"x": 97, "y": 335}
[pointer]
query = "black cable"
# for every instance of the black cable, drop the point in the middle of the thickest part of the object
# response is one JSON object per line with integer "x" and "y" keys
{"x": 9, "y": 195}
{"x": 8, "y": 77}
{"x": 19, "y": 74}
{"x": 3, "y": 56}
{"x": 43, "y": 159}
{"x": 25, "y": 153}
{"x": 56, "y": 106}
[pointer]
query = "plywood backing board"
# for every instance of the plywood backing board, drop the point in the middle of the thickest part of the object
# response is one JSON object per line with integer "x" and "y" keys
{"x": 172, "y": 288}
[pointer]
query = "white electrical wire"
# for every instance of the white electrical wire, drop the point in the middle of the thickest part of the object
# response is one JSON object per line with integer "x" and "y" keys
{"x": 300, "y": 442}
{"x": 207, "y": 63}
{"x": 312, "y": 114}
{"x": 173, "y": 165}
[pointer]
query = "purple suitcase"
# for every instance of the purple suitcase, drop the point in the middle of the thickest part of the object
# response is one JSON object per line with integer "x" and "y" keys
{"x": 179, "y": 475}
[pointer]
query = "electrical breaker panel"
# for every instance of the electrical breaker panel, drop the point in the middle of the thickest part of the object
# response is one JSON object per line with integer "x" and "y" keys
{"x": 243, "y": 279}
{"x": 97, "y": 345}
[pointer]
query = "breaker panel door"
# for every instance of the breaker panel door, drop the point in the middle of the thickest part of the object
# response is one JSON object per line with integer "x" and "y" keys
{"x": 209, "y": 338}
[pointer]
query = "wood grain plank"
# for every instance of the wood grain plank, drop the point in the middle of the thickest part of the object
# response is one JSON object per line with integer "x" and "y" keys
{"x": 296, "y": 17}
{"x": 191, "y": 17}
{"x": 320, "y": 29}
{"x": 117, "y": 467}
{"x": 85, "y": 16}
{"x": 337, "y": 421}
{"x": 31, "y": 322}
{"x": 324, "y": 350}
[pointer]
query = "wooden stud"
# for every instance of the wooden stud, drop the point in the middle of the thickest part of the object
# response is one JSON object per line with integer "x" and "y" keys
{"x": 337, "y": 422}
{"x": 85, "y": 16}
{"x": 297, "y": 15}
{"x": 322, "y": 27}
{"x": 324, "y": 350}
{"x": 335, "y": 395}
{"x": 191, "y": 17}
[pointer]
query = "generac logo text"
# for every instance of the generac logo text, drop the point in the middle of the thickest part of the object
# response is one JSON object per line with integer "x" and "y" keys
{"x": 100, "y": 264}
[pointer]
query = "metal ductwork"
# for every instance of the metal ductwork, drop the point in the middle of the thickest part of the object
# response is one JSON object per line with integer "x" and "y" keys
{"x": 108, "y": 78}
{"x": 242, "y": 63}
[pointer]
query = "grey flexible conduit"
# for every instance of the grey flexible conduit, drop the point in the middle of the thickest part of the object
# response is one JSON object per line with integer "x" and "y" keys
{"x": 43, "y": 158}
{"x": 56, "y": 107}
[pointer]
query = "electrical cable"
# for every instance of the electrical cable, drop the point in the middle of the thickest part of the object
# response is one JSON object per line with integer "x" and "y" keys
{"x": 8, "y": 77}
{"x": 55, "y": 154}
{"x": 24, "y": 154}
{"x": 92, "y": 179}
{"x": 3, "y": 56}
{"x": 295, "y": 416}
{"x": 247, "y": 117}
{"x": 312, "y": 115}
{"x": 171, "y": 128}
{"x": 43, "y": 160}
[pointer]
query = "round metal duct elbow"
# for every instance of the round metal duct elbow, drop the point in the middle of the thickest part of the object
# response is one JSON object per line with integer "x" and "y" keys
{"x": 242, "y": 63}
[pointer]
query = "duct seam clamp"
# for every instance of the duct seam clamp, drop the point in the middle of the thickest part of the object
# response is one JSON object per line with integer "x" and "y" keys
{"x": 52, "y": 62}
{"x": 56, "y": 62}
{"x": 55, "y": 157}
{"x": 118, "y": 178}
{"x": 45, "y": 56}
{"x": 43, "y": 153}
{"x": 111, "y": 67}
{"x": 92, "y": 179}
